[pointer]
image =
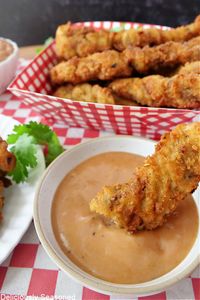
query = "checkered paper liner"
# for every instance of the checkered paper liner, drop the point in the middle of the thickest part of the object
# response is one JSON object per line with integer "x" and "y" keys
{"x": 33, "y": 85}
{"x": 29, "y": 271}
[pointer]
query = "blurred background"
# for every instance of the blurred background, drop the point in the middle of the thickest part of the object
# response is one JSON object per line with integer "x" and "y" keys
{"x": 31, "y": 22}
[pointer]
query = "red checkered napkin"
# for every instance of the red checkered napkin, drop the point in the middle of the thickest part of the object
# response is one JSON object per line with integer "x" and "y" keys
{"x": 33, "y": 85}
{"x": 29, "y": 271}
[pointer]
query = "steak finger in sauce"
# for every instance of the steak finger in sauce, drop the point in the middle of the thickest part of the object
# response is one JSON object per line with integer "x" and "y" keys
{"x": 104, "y": 250}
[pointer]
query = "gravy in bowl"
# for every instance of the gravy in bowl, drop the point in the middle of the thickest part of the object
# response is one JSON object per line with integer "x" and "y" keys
{"x": 99, "y": 247}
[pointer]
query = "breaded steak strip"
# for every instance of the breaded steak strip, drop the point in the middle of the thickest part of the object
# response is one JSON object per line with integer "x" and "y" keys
{"x": 86, "y": 92}
{"x": 165, "y": 179}
{"x": 71, "y": 41}
{"x": 99, "y": 66}
{"x": 111, "y": 64}
{"x": 179, "y": 91}
{"x": 154, "y": 36}
{"x": 170, "y": 54}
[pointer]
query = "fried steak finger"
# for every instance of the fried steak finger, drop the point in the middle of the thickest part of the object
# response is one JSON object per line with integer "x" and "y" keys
{"x": 86, "y": 92}
{"x": 91, "y": 93}
{"x": 179, "y": 91}
{"x": 154, "y": 36}
{"x": 170, "y": 54}
{"x": 71, "y": 41}
{"x": 99, "y": 66}
{"x": 165, "y": 179}
{"x": 111, "y": 64}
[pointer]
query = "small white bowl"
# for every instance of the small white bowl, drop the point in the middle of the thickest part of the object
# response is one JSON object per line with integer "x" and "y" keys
{"x": 8, "y": 66}
{"x": 42, "y": 217}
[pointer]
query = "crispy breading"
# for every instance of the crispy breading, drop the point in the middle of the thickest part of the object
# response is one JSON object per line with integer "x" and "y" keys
{"x": 193, "y": 67}
{"x": 7, "y": 164}
{"x": 7, "y": 159}
{"x": 189, "y": 67}
{"x": 99, "y": 66}
{"x": 72, "y": 41}
{"x": 179, "y": 91}
{"x": 111, "y": 64}
{"x": 75, "y": 41}
{"x": 154, "y": 36}
{"x": 91, "y": 93}
{"x": 86, "y": 92}
{"x": 156, "y": 189}
{"x": 170, "y": 54}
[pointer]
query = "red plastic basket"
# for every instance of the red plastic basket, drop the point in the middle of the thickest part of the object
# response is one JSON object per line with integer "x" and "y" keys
{"x": 33, "y": 86}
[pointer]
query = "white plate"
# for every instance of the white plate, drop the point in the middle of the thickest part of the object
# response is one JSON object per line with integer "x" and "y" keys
{"x": 42, "y": 217}
{"x": 18, "y": 208}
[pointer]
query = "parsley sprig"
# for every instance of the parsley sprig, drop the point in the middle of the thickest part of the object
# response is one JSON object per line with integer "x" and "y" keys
{"x": 25, "y": 139}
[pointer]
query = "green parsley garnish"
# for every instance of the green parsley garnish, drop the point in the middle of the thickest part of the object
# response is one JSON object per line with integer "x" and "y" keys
{"x": 25, "y": 139}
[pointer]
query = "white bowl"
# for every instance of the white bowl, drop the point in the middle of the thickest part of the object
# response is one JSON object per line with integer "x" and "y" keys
{"x": 8, "y": 66}
{"x": 42, "y": 217}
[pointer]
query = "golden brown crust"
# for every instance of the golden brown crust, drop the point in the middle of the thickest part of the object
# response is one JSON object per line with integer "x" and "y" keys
{"x": 71, "y": 41}
{"x": 91, "y": 93}
{"x": 178, "y": 91}
{"x": 165, "y": 179}
{"x": 154, "y": 36}
{"x": 86, "y": 92}
{"x": 7, "y": 164}
{"x": 111, "y": 64}
{"x": 170, "y": 54}
{"x": 99, "y": 66}
{"x": 7, "y": 159}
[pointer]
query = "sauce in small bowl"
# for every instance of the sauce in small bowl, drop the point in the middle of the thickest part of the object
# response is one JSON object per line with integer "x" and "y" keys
{"x": 122, "y": 258}
{"x": 8, "y": 62}
{"x": 104, "y": 257}
{"x": 6, "y": 49}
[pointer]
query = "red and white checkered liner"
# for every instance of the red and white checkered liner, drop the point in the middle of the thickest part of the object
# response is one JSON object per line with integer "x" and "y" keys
{"x": 28, "y": 271}
{"x": 34, "y": 86}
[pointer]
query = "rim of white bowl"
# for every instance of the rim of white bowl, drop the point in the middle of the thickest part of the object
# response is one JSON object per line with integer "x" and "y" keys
{"x": 15, "y": 51}
{"x": 91, "y": 281}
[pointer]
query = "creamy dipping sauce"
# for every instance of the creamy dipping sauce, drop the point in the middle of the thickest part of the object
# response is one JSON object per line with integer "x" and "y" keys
{"x": 5, "y": 49}
{"x": 108, "y": 252}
